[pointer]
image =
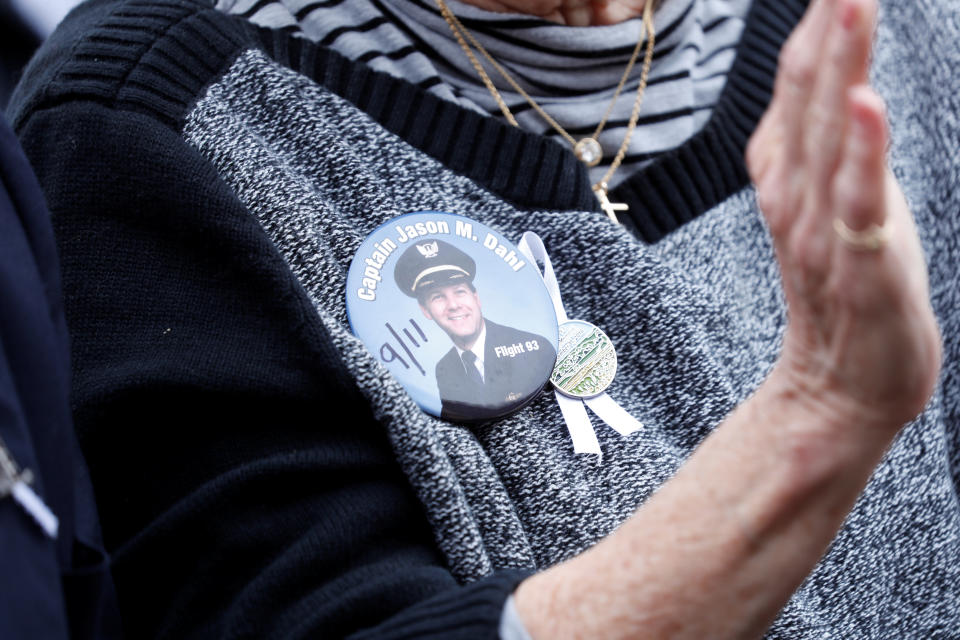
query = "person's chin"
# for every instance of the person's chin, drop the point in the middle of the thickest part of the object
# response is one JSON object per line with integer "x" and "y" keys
{"x": 461, "y": 337}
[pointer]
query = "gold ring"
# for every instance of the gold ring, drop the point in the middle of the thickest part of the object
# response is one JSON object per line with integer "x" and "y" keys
{"x": 873, "y": 238}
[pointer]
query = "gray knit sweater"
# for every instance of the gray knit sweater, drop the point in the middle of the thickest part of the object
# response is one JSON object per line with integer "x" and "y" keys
{"x": 695, "y": 310}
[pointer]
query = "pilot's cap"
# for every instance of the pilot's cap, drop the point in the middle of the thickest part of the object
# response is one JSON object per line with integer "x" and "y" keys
{"x": 432, "y": 263}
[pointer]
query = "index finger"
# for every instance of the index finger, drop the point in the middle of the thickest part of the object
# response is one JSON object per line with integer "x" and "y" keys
{"x": 799, "y": 62}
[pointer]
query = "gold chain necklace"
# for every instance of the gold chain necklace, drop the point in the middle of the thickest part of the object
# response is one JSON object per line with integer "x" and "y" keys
{"x": 587, "y": 150}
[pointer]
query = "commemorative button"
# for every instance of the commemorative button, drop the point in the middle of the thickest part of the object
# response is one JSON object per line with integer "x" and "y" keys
{"x": 455, "y": 312}
{"x": 586, "y": 362}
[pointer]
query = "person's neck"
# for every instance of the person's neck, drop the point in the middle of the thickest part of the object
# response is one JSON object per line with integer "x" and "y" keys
{"x": 574, "y": 13}
{"x": 466, "y": 344}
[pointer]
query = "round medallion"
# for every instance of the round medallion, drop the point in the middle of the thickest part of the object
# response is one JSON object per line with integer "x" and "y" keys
{"x": 455, "y": 313}
{"x": 588, "y": 151}
{"x": 586, "y": 362}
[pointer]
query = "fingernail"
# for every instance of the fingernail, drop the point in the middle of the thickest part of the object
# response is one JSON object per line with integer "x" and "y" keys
{"x": 849, "y": 13}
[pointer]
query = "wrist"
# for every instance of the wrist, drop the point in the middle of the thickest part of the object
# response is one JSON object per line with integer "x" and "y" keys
{"x": 819, "y": 420}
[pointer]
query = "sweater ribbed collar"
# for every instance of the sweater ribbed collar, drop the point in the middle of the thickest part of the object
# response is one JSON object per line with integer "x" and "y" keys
{"x": 157, "y": 50}
{"x": 535, "y": 173}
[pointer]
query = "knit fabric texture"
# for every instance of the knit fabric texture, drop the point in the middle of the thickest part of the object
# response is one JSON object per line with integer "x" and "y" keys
{"x": 247, "y": 166}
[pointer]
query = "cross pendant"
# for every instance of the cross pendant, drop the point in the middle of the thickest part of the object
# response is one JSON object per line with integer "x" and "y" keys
{"x": 609, "y": 207}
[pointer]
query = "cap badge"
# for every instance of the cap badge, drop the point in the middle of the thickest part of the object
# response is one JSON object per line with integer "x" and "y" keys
{"x": 428, "y": 250}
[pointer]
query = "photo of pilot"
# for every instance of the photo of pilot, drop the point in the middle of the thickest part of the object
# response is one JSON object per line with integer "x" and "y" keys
{"x": 492, "y": 369}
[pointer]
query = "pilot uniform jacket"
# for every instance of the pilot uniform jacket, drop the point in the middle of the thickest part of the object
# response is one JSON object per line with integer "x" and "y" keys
{"x": 508, "y": 381}
{"x": 260, "y": 474}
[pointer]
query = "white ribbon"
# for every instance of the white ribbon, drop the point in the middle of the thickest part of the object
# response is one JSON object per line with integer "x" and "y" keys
{"x": 578, "y": 422}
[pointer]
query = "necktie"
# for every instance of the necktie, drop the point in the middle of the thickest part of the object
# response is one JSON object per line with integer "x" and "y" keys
{"x": 470, "y": 362}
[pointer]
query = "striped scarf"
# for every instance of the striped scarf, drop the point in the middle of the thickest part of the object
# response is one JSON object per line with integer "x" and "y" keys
{"x": 571, "y": 72}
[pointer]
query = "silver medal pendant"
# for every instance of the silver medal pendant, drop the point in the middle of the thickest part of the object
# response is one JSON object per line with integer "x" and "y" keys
{"x": 586, "y": 362}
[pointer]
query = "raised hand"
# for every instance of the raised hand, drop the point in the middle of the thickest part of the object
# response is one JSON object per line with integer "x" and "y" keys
{"x": 719, "y": 549}
{"x": 862, "y": 342}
